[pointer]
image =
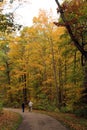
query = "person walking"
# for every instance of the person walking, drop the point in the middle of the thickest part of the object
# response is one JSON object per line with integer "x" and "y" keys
{"x": 30, "y": 105}
{"x": 23, "y": 107}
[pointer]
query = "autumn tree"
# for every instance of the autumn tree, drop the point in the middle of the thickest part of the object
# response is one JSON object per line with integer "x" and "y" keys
{"x": 73, "y": 17}
{"x": 7, "y": 27}
{"x": 52, "y": 37}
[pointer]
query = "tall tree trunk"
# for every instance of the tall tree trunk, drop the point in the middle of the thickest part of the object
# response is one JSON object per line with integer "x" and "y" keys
{"x": 24, "y": 89}
{"x": 65, "y": 81}
{"x": 55, "y": 74}
{"x": 84, "y": 92}
{"x": 60, "y": 84}
{"x": 74, "y": 69}
{"x": 8, "y": 72}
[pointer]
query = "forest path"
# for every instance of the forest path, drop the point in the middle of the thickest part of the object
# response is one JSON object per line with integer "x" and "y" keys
{"x": 37, "y": 121}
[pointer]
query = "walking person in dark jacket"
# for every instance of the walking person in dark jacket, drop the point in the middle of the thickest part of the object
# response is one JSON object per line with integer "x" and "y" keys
{"x": 23, "y": 107}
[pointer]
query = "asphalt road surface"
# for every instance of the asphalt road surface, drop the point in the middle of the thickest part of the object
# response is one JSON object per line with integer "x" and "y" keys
{"x": 37, "y": 121}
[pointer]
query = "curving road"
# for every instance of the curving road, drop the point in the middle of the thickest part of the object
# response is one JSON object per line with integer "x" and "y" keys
{"x": 37, "y": 121}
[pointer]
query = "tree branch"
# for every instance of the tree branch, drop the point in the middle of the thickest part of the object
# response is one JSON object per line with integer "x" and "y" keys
{"x": 76, "y": 43}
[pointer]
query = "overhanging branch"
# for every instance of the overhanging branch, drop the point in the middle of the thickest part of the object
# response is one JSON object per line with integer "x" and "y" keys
{"x": 76, "y": 43}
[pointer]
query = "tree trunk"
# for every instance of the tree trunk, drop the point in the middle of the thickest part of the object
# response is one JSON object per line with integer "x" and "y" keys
{"x": 84, "y": 92}
{"x": 55, "y": 74}
{"x": 8, "y": 73}
{"x": 60, "y": 84}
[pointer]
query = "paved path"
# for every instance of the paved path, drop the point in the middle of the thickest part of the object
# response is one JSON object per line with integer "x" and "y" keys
{"x": 37, "y": 121}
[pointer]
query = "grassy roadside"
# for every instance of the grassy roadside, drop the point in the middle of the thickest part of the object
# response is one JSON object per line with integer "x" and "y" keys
{"x": 9, "y": 120}
{"x": 69, "y": 120}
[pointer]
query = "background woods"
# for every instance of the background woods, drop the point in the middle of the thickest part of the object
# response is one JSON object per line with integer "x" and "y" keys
{"x": 44, "y": 62}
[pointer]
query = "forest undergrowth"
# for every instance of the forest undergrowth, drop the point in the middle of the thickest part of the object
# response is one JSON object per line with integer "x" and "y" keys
{"x": 9, "y": 120}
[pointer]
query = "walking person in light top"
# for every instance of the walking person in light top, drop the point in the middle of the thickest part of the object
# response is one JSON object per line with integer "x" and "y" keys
{"x": 30, "y": 105}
